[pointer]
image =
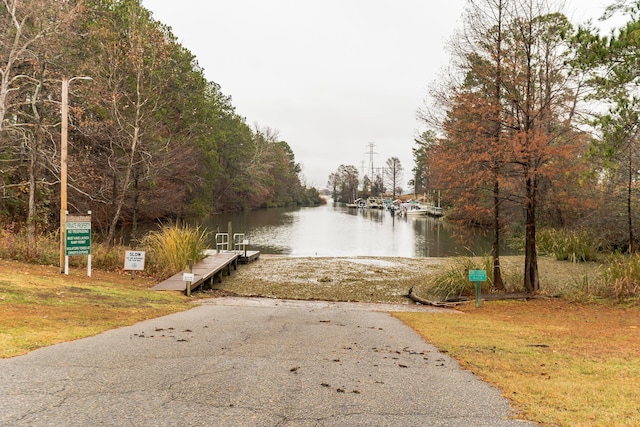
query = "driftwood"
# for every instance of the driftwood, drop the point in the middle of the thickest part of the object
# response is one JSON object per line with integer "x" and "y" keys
{"x": 420, "y": 300}
{"x": 452, "y": 302}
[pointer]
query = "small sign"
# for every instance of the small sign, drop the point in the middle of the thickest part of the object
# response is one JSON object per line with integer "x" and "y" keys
{"x": 477, "y": 275}
{"x": 134, "y": 260}
{"x": 188, "y": 277}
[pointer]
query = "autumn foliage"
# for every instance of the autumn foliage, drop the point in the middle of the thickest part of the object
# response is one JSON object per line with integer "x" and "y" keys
{"x": 149, "y": 137}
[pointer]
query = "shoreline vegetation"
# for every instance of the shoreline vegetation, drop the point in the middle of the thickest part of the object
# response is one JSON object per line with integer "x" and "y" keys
{"x": 567, "y": 361}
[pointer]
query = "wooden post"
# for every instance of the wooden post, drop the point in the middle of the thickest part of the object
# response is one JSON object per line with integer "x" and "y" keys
{"x": 190, "y": 268}
{"x": 63, "y": 176}
{"x": 89, "y": 256}
{"x": 230, "y": 238}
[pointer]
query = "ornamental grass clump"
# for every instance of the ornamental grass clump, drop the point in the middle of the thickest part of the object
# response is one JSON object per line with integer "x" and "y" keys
{"x": 621, "y": 278}
{"x": 170, "y": 248}
{"x": 568, "y": 245}
{"x": 453, "y": 281}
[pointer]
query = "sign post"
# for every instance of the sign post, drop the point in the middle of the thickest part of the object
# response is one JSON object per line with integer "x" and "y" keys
{"x": 77, "y": 239}
{"x": 478, "y": 276}
{"x": 188, "y": 277}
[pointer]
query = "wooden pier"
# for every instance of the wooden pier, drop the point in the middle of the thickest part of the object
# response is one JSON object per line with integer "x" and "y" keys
{"x": 207, "y": 271}
{"x": 248, "y": 256}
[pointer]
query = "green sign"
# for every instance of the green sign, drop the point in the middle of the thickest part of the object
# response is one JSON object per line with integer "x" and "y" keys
{"x": 477, "y": 275}
{"x": 78, "y": 238}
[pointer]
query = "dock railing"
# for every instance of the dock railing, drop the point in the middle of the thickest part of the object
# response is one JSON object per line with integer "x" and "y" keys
{"x": 240, "y": 243}
{"x": 222, "y": 242}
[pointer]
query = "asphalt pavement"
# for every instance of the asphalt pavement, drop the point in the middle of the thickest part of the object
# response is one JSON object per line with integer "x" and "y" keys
{"x": 250, "y": 362}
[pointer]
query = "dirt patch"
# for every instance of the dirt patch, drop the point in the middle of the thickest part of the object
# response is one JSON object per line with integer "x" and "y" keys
{"x": 365, "y": 279}
{"x": 377, "y": 279}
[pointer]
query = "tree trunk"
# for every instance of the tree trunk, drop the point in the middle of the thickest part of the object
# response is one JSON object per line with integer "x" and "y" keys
{"x": 33, "y": 165}
{"x": 497, "y": 274}
{"x": 121, "y": 196}
{"x": 629, "y": 194}
{"x": 531, "y": 279}
{"x": 136, "y": 201}
{"x": 31, "y": 215}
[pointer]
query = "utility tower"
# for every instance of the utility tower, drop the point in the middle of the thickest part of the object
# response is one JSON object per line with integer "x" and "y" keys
{"x": 371, "y": 153}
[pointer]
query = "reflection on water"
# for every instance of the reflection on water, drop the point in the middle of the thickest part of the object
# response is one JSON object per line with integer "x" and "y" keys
{"x": 335, "y": 230}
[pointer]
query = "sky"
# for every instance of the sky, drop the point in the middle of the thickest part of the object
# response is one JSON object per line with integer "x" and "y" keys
{"x": 340, "y": 81}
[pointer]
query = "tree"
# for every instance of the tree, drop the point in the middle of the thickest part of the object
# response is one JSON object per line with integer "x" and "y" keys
{"x": 393, "y": 174}
{"x": 612, "y": 63}
{"x": 365, "y": 187}
{"x": 421, "y": 181}
{"x": 508, "y": 119}
{"x": 377, "y": 186}
{"x": 346, "y": 181}
{"x": 131, "y": 56}
{"x": 152, "y": 139}
{"x": 478, "y": 52}
{"x": 332, "y": 183}
{"x": 31, "y": 43}
{"x": 23, "y": 24}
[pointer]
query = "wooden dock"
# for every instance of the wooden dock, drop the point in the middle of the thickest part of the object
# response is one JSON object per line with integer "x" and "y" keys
{"x": 248, "y": 256}
{"x": 205, "y": 272}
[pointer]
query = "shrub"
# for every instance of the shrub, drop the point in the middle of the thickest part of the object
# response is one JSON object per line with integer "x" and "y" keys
{"x": 15, "y": 246}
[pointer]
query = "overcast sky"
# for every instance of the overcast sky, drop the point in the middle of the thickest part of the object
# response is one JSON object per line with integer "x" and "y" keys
{"x": 331, "y": 76}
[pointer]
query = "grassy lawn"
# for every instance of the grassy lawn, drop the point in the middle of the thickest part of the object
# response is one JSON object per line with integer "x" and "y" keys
{"x": 39, "y": 306}
{"x": 559, "y": 363}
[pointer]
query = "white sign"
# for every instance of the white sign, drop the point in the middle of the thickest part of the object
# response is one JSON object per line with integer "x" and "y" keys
{"x": 188, "y": 277}
{"x": 134, "y": 260}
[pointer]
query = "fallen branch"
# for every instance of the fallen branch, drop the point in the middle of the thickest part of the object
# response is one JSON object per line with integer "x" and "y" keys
{"x": 419, "y": 300}
{"x": 452, "y": 302}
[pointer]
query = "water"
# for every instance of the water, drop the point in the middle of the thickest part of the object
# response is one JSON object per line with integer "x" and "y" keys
{"x": 335, "y": 230}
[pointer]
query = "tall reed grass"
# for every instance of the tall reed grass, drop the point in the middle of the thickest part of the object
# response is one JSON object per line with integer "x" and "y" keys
{"x": 568, "y": 245}
{"x": 170, "y": 248}
{"x": 453, "y": 281}
{"x": 621, "y": 278}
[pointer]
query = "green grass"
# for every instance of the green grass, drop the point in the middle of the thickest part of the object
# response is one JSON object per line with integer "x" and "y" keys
{"x": 40, "y": 307}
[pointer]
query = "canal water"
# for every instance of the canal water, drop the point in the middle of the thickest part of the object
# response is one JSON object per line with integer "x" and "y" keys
{"x": 335, "y": 230}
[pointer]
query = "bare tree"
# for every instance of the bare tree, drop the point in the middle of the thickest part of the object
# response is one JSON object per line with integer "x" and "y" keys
{"x": 133, "y": 55}
{"x": 23, "y": 23}
{"x": 393, "y": 173}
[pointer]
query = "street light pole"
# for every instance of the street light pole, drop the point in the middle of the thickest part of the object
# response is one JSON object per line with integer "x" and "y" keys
{"x": 63, "y": 168}
{"x": 63, "y": 172}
